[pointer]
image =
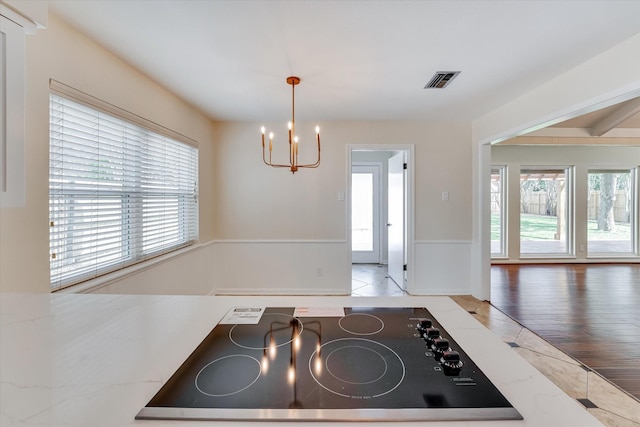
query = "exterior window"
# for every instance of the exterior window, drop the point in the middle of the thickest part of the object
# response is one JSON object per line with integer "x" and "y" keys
{"x": 362, "y": 212}
{"x": 610, "y": 212}
{"x": 119, "y": 193}
{"x": 544, "y": 212}
{"x": 498, "y": 212}
{"x": 365, "y": 212}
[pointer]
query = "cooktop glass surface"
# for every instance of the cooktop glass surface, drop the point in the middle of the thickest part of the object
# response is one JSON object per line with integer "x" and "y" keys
{"x": 329, "y": 364}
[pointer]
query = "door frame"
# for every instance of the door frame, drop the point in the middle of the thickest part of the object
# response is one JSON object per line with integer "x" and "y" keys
{"x": 409, "y": 150}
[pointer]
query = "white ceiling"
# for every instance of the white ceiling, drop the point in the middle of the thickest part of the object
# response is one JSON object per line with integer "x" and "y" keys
{"x": 358, "y": 60}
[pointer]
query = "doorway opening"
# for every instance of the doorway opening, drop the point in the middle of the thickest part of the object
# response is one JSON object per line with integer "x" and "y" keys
{"x": 379, "y": 215}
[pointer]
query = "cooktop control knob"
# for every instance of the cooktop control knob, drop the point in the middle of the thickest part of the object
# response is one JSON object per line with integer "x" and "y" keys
{"x": 424, "y": 325}
{"x": 451, "y": 363}
{"x": 431, "y": 334}
{"x": 439, "y": 347}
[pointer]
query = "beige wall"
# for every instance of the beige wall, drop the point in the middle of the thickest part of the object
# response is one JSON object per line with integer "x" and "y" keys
{"x": 257, "y": 202}
{"x": 252, "y": 202}
{"x": 243, "y": 200}
{"x": 61, "y": 53}
{"x": 262, "y": 211}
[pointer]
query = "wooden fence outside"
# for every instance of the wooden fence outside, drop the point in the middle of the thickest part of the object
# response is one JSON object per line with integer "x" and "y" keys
{"x": 537, "y": 205}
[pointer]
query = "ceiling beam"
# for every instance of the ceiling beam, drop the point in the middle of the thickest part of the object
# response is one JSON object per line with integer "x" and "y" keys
{"x": 630, "y": 108}
{"x": 556, "y": 132}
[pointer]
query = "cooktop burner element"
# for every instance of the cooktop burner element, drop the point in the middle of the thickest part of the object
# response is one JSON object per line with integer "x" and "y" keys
{"x": 329, "y": 365}
{"x": 359, "y": 368}
{"x": 361, "y": 324}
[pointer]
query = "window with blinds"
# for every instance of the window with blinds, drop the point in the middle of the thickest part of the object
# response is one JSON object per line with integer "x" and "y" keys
{"x": 119, "y": 193}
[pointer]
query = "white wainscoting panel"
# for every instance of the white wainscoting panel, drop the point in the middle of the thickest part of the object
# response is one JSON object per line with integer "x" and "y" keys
{"x": 281, "y": 267}
{"x": 441, "y": 268}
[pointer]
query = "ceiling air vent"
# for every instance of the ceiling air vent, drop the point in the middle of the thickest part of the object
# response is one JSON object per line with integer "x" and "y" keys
{"x": 441, "y": 79}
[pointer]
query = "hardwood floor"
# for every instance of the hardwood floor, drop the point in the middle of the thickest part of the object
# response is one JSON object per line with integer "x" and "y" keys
{"x": 591, "y": 312}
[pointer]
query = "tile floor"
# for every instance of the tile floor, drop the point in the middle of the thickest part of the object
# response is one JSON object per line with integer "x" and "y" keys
{"x": 371, "y": 280}
{"x": 610, "y": 405}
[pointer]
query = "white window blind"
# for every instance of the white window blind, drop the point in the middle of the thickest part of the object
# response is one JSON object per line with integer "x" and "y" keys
{"x": 119, "y": 193}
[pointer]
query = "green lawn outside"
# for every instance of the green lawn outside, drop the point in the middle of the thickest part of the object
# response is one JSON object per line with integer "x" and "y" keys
{"x": 542, "y": 227}
{"x": 621, "y": 232}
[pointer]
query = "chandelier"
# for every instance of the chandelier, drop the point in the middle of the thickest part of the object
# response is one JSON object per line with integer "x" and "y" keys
{"x": 293, "y": 138}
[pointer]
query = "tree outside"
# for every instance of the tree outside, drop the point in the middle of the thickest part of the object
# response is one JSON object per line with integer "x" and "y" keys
{"x": 543, "y": 211}
{"x": 609, "y": 211}
{"x": 608, "y": 184}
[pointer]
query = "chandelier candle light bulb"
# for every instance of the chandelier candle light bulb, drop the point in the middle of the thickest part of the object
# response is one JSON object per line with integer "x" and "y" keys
{"x": 293, "y": 138}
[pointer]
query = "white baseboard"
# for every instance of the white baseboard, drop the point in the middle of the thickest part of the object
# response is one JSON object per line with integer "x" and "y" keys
{"x": 280, "y": 291}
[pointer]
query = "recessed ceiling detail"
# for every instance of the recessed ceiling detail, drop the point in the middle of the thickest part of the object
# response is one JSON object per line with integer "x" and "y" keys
{"x": 441, "y": 79}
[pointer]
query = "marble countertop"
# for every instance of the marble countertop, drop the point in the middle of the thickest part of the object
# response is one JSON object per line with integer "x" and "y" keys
{"x": 96, "y": 360}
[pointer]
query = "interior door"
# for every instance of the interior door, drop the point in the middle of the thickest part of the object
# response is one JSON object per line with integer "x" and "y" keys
{"x": 395, "y": 218}
{"x": 365, "y": 213}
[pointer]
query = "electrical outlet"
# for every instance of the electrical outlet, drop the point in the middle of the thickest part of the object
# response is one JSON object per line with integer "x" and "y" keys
{"x": 581, "y": 248}
{"x": 318, "y": 271}
{"x": 445, "y": 196}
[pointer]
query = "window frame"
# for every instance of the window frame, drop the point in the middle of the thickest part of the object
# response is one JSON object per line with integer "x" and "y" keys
{"x": 144, "y": 203}
{"x": 569, "y": 172}
{"x": 501, "y": 171}
{"x": 633, "y": 219}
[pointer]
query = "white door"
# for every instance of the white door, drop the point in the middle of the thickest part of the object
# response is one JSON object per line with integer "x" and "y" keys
{"x": 395, "y": 218}
{"x": 365, "y": 213}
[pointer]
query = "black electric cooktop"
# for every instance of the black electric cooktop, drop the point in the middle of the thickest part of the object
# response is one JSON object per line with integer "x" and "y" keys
{"x": 356, "y": 364}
